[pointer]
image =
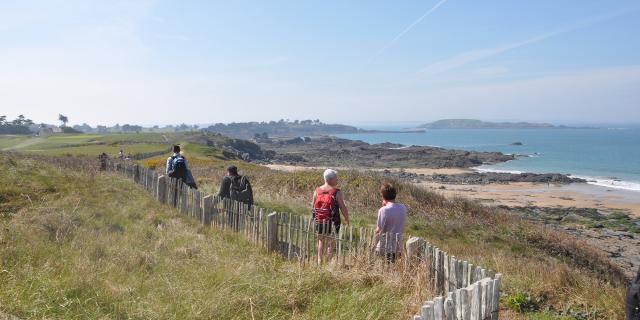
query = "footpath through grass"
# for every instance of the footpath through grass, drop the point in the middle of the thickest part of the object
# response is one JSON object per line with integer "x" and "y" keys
{"x": 87, "y": 245}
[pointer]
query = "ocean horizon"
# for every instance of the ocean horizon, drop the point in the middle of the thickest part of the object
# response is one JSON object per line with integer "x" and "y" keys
{"x": 608, "y": 156}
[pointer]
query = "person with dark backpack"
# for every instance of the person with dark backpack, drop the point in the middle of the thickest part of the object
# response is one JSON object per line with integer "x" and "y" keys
{"x": 177, "y": 168}
{"x": 236, "y": 187}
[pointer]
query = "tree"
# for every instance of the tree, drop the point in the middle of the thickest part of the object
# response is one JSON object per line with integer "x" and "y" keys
{"x": 63, "y": 119}
{"x": 3, "y": 120}
{"x": 20, "y": 120}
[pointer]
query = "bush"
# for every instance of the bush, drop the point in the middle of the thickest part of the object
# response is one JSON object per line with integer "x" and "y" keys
{"x": 69, "y": 130}
{"x": 521, "y": 302}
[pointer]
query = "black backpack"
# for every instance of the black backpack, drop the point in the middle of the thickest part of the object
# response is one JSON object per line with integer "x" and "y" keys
{"x": 178, "y": 167}
{"x": 241, "y": 190}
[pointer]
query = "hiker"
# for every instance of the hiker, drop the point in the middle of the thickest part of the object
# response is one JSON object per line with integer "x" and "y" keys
{"x": 632, "y": 301}
{"x": 390, "y": 227}
{"x": 236, "y": 187}
{"x": 328, "y": 204}
{"x": 178, "y": 168}
{"x": 103, "y": 161}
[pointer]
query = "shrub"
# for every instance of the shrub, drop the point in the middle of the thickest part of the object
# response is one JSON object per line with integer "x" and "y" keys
{"x": 521, "y": 302}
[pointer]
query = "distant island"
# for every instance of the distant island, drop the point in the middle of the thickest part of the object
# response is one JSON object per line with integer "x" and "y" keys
{"x": 479, "y": 124}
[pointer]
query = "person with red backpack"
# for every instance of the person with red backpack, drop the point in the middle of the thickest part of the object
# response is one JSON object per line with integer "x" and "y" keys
{"x": 328, "y": 204}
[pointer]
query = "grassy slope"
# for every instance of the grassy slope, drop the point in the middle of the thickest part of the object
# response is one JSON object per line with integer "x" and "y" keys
{"x": 85, "y": 144}
{"x": 518, "y": 249}
{"x": 89, "y": 245}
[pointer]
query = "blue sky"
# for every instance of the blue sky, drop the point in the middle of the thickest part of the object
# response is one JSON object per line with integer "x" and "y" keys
{"x": 340, "y": 61}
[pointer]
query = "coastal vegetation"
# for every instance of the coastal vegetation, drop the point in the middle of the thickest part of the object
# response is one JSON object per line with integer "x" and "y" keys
{"x": 547, "y": 274}
{"x": 79, "y": 244}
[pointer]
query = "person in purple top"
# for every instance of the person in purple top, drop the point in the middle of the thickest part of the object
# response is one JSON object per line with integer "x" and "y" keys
{"x": 390, "y": 227}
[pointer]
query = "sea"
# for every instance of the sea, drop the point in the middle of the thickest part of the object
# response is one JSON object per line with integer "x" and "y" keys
{"x": 606, "y": 156}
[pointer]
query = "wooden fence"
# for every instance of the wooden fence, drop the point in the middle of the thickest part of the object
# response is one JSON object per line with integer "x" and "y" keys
{"x": 466, "y": 291}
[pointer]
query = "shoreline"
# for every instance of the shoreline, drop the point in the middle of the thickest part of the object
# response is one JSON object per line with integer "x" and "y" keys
{"x": 610, "y": 183}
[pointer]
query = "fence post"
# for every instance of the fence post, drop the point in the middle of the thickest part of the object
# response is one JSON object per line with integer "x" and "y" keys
{"x": 449, "y": 308}
{"x": 465, "y": 303}
{"x": 415, "y": 248}
{"x": 427, "y": 311}
{"x": 476, "y": 301}
{"x": 272, "y": 231}
{"x": 495, "y": 296}
{"x": 207, "y": 204}
{"x": 162, "y": 189}
{"x": 136, "y": 173}
{"x": 438, "y": 308}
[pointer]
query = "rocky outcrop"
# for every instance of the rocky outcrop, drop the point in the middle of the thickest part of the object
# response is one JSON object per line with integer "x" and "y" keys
{"x": 480, "y": 178}
{"x": 502, "y": 177}
{"x": 331, "y": 151}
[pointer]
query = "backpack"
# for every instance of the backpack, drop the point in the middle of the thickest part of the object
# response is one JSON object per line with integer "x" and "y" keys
{"x": 178, "y": 167}
{"x": 325, "y": 208}
{"x": 241, "y": 190}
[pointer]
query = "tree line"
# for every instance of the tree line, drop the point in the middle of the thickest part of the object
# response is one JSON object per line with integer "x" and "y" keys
{"x": 19, "y": 125}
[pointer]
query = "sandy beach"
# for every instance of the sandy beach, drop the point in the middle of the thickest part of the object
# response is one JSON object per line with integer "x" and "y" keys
{"x": 520, "y": 194}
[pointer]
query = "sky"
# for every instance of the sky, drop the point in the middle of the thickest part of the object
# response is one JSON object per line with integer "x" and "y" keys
{"x": 168, "y": 62}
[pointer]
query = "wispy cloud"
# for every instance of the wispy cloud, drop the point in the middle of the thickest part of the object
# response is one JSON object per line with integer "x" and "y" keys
{"x": 407, "y": 29}
{"x": 472, "y": 56}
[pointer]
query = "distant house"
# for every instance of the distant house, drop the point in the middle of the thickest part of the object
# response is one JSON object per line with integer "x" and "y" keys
{"x": 48, "y": 130}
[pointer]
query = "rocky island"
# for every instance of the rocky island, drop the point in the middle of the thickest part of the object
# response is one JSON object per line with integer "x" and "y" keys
{"x": 479, "y": 124}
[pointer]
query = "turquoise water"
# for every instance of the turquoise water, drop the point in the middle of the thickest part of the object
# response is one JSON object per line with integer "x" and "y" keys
{"x": 606, "y": 157}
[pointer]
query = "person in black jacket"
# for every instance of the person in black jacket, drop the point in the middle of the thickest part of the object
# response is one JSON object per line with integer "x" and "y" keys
{"x": 236, "y": 187}
{"x": 632, "y": 302}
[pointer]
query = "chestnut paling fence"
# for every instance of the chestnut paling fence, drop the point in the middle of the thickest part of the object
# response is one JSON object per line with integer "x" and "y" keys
{"x": 465, "y": 291}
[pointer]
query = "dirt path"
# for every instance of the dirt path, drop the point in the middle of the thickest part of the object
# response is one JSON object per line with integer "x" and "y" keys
{"x": 24, "y": 144}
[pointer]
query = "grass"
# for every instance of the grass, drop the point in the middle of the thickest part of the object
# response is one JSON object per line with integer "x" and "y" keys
{"x": 91, "y": 245}
{"x": 557, "y": 271}
{"x": 7, "y": 141}
{"x": 561, "y": 274}
{"x": 86, "y": 144}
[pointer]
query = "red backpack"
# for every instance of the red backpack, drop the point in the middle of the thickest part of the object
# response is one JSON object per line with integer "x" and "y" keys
{"x": 326, "y": 205}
